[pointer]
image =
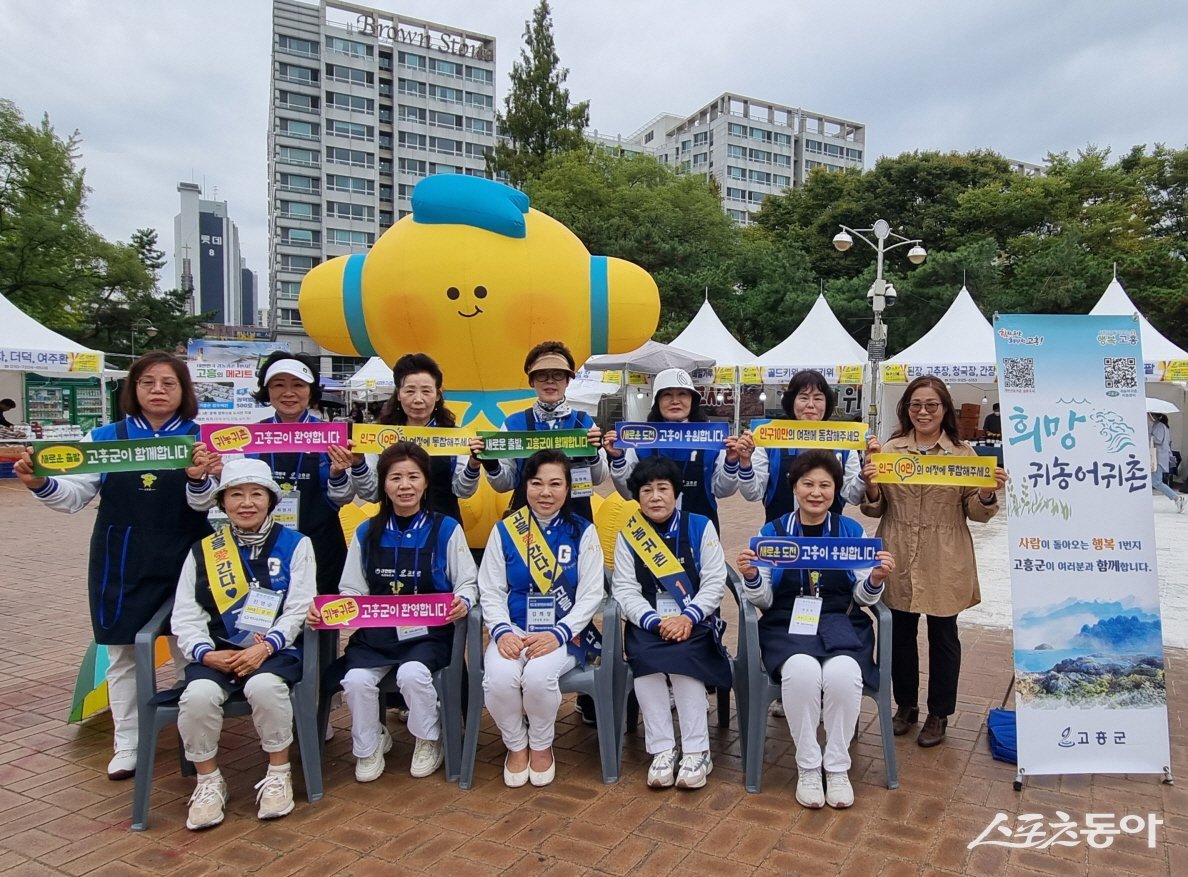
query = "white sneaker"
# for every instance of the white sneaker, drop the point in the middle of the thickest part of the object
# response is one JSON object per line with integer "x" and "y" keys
{"x": 122, "y": 765}
{"x": 427, "y": 757}
{"x": 371, "y": 767}
{"x": 839, "y": 794}
{"x": 776, "y": 709}
{"x": 695, "y": 767}
{"x": 809, "y": 791}
{"x": 274, "y": 794}
{"x": 660, "y": 774}
{"x": 207, "y": 803}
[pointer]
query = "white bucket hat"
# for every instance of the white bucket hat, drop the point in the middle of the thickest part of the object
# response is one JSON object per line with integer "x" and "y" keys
{"x": 246, "y": 470}
{"x": 673, "y": 379}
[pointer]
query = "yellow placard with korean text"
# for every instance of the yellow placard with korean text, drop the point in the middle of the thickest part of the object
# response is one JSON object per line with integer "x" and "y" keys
{"x": 86, "y": 363}
{"x": 372, "y": 438}
{"x": 894, "y": 373}
{"x": 1173, "y": 370}
{"x": 849, "y": 374}
{"x": 810, "y": 434}
{"x": 613, "y": 377}
{"x": 934, "y": 469}
{"x": 724, "y": 375}
{"x": 751, "y": 374}
{"x": 637, "y": 379}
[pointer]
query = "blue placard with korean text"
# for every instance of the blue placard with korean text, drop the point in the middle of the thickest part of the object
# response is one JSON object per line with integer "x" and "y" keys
{"x": 677, "y": 436}
{"x": 803, "y": 552}
{"x": 1090, "y": 687}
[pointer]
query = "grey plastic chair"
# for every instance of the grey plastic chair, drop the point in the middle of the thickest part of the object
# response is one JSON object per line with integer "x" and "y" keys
{"x": 153, "y": 718}
{"x": 451, "y": 683}
{"x": 762, "y": 691}
{"x": 607, "y": 683}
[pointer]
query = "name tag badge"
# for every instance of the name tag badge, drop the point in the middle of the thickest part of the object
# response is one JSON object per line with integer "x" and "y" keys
{"x": 407, "y": 633}
{"x": 542, "y": 612}
{"x": 287, "y": 511}
{"x": 666, "y": 606}
{"x": 806, "y": 615}
{"x": 259, "y": 610}
{"x": 583, "y": 482}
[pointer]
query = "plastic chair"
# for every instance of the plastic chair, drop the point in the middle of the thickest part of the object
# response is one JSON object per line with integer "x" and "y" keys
{"x": 762, "y": 691}
{"x": 153, "y": 717}
{"x": 451, "y": 684}
{"x": 607, "y": 683}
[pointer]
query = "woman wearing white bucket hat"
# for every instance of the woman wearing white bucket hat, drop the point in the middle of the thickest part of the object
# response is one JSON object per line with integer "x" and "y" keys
{"x": 238, "y": 615}
{"x": 707, "y": 476}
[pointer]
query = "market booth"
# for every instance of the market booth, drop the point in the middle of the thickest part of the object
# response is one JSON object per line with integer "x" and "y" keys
{"x": 820, "y": 342}
{"x": 53, "y": 380}
{"x": 959, "y": 350}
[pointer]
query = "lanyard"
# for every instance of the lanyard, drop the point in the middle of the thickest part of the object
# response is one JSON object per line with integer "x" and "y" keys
{"x": 246, "y": 557}
{"x": 417, "y": 522}
{"x": 814, "y": 576}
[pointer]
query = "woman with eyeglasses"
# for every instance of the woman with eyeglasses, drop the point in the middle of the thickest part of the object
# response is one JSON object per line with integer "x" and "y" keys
{"x": 143, "y": 531}
{"x": 925, "y": 528}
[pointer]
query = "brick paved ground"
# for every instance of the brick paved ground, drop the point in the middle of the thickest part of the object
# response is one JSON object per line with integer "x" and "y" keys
{"x": 60, "y": 815}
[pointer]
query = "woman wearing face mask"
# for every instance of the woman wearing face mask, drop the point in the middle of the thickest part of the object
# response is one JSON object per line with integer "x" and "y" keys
{"x": 763, "y": 472}
{"x": 549, "y": 366}
{"x": 672, "y": 635}
{"x": 405, "y": 549}
{"x": 417, "y": 401}
{"x": 821, "y": 674}
{"x": 272, "y": 573}
{"x": 706, "y": 476}
{"x": 540, "y": 583}
{"x": 926, "y": 527}
{"x": 142, "y": 531}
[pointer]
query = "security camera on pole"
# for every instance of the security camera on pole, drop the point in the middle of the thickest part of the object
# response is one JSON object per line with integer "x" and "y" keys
{"x": 881, "y": 296}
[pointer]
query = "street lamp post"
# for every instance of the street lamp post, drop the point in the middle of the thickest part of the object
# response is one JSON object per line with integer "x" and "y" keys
{"x": 147, "y": 326}
{"x": 881, "y": 296}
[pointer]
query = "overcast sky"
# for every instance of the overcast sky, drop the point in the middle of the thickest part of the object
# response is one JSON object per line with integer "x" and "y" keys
{"x": 164, "y": 92}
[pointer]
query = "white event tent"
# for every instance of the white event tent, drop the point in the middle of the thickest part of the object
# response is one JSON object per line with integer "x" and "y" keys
{"x": 959, "y": 349}
{"x": 373, "y": 379}
{"x": 651, "y": 358}
{"x": 820, "y": 342}
{"x": 708, "y": 336}
{"x": 28, "y": 346}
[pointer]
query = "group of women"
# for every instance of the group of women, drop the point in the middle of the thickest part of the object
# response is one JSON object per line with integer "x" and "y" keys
{"x": 540, "y": 581}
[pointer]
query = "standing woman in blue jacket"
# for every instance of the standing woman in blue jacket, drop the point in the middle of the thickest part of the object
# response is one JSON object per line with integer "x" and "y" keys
{"x": 143, "y": 531}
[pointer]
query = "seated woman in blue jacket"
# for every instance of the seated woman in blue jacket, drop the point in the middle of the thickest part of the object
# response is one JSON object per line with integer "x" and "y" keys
{"x": 670, "y": 575}
{"x": 821, "y": 673}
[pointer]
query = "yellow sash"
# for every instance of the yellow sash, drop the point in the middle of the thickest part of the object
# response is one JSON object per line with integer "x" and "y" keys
{"x": 643, "y": 539}
{"x": 224, "y": 570}
{"x": 533, "y": 549}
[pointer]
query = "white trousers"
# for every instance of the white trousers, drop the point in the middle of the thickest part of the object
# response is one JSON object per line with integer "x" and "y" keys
{"x": 523, "y": 696}
{"x": 121, "y": 690}
{"x": 812, "y": 688}
{"x": 200, "y": 718}
{"x": 689, "y": 694}
{"x": 360, "y": 690}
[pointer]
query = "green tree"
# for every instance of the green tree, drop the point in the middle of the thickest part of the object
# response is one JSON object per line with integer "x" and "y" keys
{"x": 538, "y": 120}
{"x": 152, "y": 257}
{"x": 48, "y": 258}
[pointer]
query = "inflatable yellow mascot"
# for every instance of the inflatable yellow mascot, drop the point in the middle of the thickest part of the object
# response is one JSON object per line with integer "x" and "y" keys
{"x": 475, "y": 277}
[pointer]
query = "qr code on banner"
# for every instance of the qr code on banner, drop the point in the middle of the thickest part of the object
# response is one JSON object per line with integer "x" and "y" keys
{"x": 1121, "y": 372}
{"x": 1018, "y": 374}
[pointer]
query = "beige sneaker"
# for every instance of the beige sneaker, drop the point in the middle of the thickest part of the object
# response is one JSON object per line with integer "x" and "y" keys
{"x": 810, "y": 792}
{"x": 371, "y": 767}
{"x": 274, "y": 794}
{"x": 207, "y": 803}
{"x": 427, "y": 757}
{"x": 839, "y": 794}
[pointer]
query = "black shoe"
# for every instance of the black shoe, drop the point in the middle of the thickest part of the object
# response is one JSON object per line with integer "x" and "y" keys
{"x": 903, "y": 720}
{"x": 933, "y": 731}
{"x": 585, "y": 708}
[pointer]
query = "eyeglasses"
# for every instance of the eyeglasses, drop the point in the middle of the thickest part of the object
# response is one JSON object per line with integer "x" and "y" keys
{"x": 917, "y": 407}
{"x": 554, "y": 376}
{"x": 150, "y": 384}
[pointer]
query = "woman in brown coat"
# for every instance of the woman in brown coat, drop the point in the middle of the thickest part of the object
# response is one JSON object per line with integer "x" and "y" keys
{"x": 924, "y": 526}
